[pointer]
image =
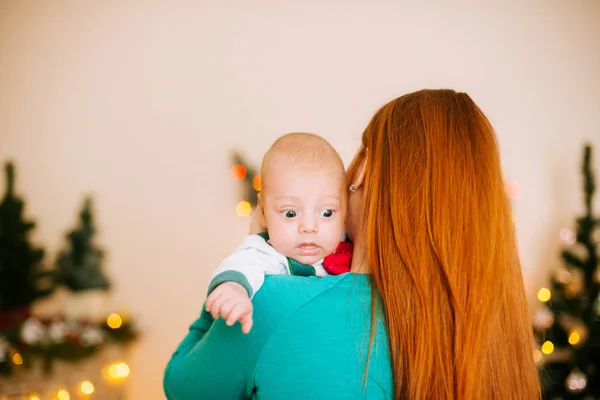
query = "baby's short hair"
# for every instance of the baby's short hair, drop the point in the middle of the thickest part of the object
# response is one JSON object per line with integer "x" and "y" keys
{"x": 308, "y": 150}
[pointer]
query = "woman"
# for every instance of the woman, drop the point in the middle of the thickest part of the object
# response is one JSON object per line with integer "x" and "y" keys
{"x": 434, "y": 306}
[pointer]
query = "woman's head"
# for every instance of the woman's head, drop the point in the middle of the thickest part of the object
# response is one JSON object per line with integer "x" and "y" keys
{"x": 439, "y": 241}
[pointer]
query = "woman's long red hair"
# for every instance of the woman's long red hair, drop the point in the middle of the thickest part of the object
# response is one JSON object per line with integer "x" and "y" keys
{"x": 441, "y": 247}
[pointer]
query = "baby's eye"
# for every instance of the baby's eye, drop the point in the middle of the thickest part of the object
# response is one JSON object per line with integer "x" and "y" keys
{"x": 326, "y": 213}
{"x": 290, "y": 214}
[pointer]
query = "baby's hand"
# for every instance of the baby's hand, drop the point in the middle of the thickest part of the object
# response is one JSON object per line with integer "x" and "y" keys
{"x": 230, "y": 301}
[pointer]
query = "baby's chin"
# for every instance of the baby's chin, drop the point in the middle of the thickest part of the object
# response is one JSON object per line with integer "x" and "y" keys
{"x": 306, "y": 260}
{"x": 309, "y": 259}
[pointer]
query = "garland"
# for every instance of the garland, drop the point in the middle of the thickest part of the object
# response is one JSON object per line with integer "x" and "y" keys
{"x": 33, "y": 340}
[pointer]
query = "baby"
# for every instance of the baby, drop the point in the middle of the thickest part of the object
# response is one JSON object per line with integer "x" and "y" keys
{"x": 302, "y": 205}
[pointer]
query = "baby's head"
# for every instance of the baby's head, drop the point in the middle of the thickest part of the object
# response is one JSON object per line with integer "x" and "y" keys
{"x": 303, "y": 196}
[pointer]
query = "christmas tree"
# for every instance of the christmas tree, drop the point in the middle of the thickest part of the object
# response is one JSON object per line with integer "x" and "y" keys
{"x": 22, "y": 277}
{"x": 250, "y": 184}
{"x": 567, "y": 323}
{"x": 79, "y": 267}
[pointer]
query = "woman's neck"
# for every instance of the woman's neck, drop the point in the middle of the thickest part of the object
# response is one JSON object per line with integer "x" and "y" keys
{"x": 359, "y": 264}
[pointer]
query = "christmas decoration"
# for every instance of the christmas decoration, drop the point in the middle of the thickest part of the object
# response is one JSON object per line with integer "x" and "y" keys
{"x": 250, "y": 184}
{"x": 46, "y": 341}
{"x": 79, "y": 267}
{"x": 576, "y": 381}
{"x": 567, "y": 323}
{"x": 567, "y": 236}
{"x": 42, "y": 353}
{"x": 102, "y": 376}
{"x": 23, "y": 278}
{"x": 3, "y": 349}
{"x": 32, "y": 331}
{"x": 543, "y": 318}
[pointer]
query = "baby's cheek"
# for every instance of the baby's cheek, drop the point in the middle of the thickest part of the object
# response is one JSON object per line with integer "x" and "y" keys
{"x": 281, "y": 239}
{"x": 334, "y": 238}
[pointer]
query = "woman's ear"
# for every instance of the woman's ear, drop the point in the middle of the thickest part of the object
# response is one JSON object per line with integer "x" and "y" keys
{"x": 362, "y": 171}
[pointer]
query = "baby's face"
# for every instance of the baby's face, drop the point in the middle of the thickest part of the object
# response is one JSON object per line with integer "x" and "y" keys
{"x": 304, "y": 211}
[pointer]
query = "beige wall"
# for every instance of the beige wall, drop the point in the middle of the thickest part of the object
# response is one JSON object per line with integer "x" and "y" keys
{"x": 141, "y": 105}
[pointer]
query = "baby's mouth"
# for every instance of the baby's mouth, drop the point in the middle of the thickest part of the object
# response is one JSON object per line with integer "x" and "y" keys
{"x": 308, "y": 249}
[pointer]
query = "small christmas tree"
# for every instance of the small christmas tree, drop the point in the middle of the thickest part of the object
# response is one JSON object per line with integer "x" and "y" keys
{"x": 79, "y": 267}
{"x": 249, "y": 177}
{"x": 567, "y": 324}
{"x": 22, "y": 277}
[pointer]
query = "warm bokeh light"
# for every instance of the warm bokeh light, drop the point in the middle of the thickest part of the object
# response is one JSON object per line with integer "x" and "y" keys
{"x": 17, "y": 359}
{"x": 112, "y": 371}
{"x": 544, "y": 295}
{"x": 118, "y": 370}
{"x": 574, "y": 338}
{"x": 243, "y": 208}
{"x": 239, "y": 172}
{"x": 122, "y": 370}
{"x": 257, "y": 183}
{"x": 547, "y": 347}
{"x": 114, "y": 321}
{"x": 62, "y": 394}
{"x": 567, "y": 236}
{"x": 87, "y": 387}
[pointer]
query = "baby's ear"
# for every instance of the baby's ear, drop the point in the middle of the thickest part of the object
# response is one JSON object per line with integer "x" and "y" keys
{"x": 260, "y": 209}
{"x": 257, "y": 218}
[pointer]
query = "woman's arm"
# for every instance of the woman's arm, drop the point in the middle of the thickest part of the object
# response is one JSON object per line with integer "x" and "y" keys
{"x": 214, "y": 361}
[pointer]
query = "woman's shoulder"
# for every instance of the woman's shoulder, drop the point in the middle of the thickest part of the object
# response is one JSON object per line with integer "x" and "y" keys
{"x": 282, "y": 295}
{"x": 284, "y": 291}
{"x": 290, "y": 289}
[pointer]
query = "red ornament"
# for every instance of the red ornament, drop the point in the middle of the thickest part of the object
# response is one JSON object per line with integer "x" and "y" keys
{"x": 339, "y": 261}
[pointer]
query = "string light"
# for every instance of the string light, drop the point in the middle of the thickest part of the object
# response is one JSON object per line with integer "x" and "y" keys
{"x": 547, "y": 347}
{"x": 87, "y": 387}
{"x": 112, "y": 371}
{"x": 118, "y": 370}
{"x": 567, "y": 236}
{"x": 122, "y": 370}
{"x": 239, "y": 172}
{"x": 257, "y": 183}
{"x": 62, "y": 394}
{"x": 114, "y": 321}
{"x": 17, "y": 359}
{"x": 576, "y": 381}
{"x": 243, "y": 208}
{"x": 34, "y": 397}
{"x": 574, "y": 338}
{"x": 544, "y": 295}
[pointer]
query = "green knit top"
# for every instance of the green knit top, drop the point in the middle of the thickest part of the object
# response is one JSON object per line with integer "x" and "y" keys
{"x": 309, "y": 341}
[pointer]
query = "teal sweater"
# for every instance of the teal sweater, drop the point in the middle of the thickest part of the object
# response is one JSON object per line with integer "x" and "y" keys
{"x": 310, "y": 340}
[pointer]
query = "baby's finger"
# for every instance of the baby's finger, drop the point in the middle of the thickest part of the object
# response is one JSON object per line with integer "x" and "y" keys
{"x": 213, "y": 297}
{"x": 246, "y": 321}
{"x": 217, "y": 305}
{"x": 237, "y": 310}
{"x": 226, "y": 308}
